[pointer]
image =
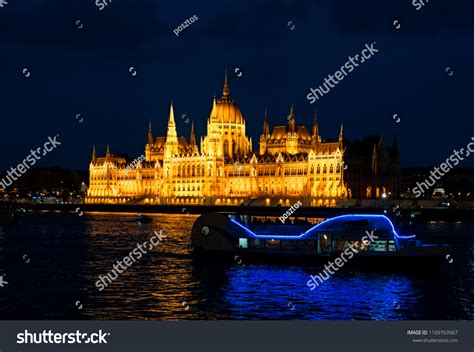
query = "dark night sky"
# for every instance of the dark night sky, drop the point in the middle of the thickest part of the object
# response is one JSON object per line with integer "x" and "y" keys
{"x": 86, "y": 71}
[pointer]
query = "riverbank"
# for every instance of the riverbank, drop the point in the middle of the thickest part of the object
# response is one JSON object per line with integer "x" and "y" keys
{"x": 425, "y": 213}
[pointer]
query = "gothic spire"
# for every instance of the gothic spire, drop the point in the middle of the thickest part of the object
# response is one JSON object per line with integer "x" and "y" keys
{"x": 266, "y": 129}
{"x": 171, "y": 122}
{"x": 150, "y": 134}
{"x": 315, "y": 125}
{"x": 226, "y": 90}
{"x": 291, "y": 120}
{"x": 171, "y": 145}
{"x": 192, "y": 138}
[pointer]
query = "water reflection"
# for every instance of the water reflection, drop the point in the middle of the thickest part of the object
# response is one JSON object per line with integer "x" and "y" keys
{"x": 69, "y": 253}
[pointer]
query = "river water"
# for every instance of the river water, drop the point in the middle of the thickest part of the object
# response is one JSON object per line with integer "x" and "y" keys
{"x": 52, "y": 261}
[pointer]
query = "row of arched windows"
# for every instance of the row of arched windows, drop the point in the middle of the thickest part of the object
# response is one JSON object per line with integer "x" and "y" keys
{"x": 325, "y": 169}
{"x": 189, "y": 170}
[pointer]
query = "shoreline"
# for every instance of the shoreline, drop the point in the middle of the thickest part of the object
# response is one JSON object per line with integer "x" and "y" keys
{"x": 434, "y": 214}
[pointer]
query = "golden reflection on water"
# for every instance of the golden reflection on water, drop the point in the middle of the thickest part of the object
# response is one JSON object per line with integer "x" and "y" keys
{"x": 158, "y": 283}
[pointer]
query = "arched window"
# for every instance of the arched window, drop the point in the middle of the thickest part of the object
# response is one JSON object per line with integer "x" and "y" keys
{"x": 331, "y": 169}
{"x": 325, "y": 169}
{"x": 234, "y": 148}
{"x": 226, "y": 148}
{"x": 318, "y": 170}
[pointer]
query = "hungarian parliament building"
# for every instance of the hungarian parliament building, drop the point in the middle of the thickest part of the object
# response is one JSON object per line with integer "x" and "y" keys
{"x": 293, "y": 164}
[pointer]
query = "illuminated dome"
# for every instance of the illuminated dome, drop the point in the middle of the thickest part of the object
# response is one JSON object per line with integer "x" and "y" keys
{"x": 224, "y": 109}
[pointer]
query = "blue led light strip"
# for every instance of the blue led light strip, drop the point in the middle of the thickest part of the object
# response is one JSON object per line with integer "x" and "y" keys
{"x": 252, "y": 234}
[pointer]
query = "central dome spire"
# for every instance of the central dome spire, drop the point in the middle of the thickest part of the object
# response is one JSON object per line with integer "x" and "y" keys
{"x": 226, "y": 90}
{"x": 224, "y": 110}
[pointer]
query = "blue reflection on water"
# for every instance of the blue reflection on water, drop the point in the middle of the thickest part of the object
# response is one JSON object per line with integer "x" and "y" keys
{"x": 279, "y": 292}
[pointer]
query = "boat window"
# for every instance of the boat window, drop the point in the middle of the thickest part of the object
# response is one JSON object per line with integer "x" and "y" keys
{"x": 339, "y": 246}
{"x": 378, "y": 246}
{"x": 243, "y": 243}
{"x": 324, "y": 243}
{"x": 359, "y": 246}
{"x": 272, "y": 244}
{"x": 288, "y": 244}
{"x": 391, "y": 246}
{"x": 256, "y": 243}
{"x": 307, "y": 245}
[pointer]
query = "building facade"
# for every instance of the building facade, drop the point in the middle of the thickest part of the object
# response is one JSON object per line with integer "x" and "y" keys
{"x": 293, "y": 163}
{"x": 372, "y": 169}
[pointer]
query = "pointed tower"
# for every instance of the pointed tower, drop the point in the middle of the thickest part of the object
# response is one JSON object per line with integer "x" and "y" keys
{"x": 171, "y": 145}
{"x": 149, "y": 143}
{"x": 192, "y": 140}
{"x": 341, "y": 137}
{"x": 226, "y": 89}
{"x": 107, "y": 153}
{"x": 315, "y": 126}
{"x": 374, "y": 159}
{"x": 266, "y": 128}
{"x": 94, "y": 157}
{"x": 291, "y": 120}
{"x": 150, "y": 134}
{"x": 265, "y": 134}
{"x": 292, "y": 136}
{"x": 213, "y": 114}
{"x": 316, "y": 138}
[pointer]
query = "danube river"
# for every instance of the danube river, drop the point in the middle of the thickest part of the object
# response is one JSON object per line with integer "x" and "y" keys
{"x": 51, "y": 262}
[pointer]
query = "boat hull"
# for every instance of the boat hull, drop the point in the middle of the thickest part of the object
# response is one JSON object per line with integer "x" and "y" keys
{"x": 395, "y": 261}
